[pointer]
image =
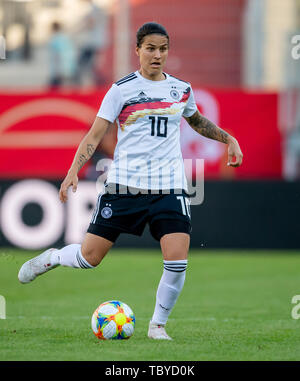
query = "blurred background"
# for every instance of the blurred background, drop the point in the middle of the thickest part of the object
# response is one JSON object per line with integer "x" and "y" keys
{"x": 242, "y": 57}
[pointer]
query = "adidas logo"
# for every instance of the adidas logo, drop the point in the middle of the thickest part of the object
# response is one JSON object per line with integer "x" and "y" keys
{"x": 142, "y": 94}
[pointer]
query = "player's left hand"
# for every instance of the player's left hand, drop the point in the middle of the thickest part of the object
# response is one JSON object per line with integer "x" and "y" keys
{"x": 234, "y": 151}
{"x": 71, "y": 180}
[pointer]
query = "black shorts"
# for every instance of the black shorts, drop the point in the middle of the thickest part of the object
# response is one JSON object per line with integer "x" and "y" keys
{"x": 129, "y": 213}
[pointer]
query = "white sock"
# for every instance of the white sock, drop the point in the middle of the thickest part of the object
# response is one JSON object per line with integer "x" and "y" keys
{"x": 169, "y": 288}
{"x": 70, "y": 256}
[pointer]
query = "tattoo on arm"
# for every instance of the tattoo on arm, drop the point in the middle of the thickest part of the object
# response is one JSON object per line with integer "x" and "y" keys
{"x": 207, "y": 128}
{"x": 81, "y": 161}
{"x": 83, "y": 158}
{"x": 90, "y": 149}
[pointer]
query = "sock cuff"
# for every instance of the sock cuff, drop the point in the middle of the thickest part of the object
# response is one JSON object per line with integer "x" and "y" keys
{"x": 83, "y": 263}
{"x": 176, "y": 266}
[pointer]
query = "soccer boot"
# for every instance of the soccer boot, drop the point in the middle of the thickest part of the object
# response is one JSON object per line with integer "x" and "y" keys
{"x": 158, "y": 332}
{"x": 36, "y": 266}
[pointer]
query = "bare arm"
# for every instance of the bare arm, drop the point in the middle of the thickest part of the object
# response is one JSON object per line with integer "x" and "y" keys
{"x": 84, "y": 152}
{"x": 208, "y": 129}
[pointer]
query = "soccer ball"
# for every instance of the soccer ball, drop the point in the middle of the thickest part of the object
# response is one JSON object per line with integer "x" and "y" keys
{"x": 113, "y": 320}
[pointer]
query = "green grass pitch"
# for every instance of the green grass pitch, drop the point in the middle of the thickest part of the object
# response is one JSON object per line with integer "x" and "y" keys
{"x": 235, "y": 305}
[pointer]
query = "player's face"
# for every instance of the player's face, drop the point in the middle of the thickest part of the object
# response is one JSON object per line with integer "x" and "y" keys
{"x": 153, "y": 54}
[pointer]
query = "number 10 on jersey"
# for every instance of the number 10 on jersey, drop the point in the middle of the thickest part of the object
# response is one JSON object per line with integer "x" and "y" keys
{"x": 160, "y": 124}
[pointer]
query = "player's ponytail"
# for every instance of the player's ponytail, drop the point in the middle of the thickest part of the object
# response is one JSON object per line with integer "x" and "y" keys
{"x": 149, "y": 28}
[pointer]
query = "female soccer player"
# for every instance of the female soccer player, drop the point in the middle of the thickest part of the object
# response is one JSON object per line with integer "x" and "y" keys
{"x": 146, "y": 181}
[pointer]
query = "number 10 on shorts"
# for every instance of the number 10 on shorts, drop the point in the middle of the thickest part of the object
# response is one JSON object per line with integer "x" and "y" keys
{"x": 185, "y": 205}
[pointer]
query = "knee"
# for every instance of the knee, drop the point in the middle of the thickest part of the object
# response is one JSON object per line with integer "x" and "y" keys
{"x": 175, "y": 246}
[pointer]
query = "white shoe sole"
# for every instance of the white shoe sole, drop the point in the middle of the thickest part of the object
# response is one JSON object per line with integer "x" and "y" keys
{"x": 159, "y": 337}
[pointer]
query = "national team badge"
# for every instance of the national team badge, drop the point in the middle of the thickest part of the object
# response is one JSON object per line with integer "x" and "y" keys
{"x": 174, "y": 94}
{"x": 106, "y": 212}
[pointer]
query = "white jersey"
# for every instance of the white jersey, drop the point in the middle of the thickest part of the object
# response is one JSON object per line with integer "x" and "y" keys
{"x": 148, "y": 114}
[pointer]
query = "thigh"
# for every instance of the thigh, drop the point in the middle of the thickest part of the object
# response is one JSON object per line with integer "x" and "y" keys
{"x": 169, "y": 213}
{"x": 175, "y": 246}
{"x": 163, "y": 226}
{"x": 170, "y": 206}
{"x": 123, "y": 212}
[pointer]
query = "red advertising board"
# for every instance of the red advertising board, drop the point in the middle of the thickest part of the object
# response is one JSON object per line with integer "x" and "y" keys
{"x": 39, "y": 132}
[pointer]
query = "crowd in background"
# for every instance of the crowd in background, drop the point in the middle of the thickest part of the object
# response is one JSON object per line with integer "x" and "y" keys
{"x": 68, "y": 65}
{"x": 60, "y": 49}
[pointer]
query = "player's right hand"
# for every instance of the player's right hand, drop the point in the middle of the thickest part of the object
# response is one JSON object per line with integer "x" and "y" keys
{"x": 71, "y": 180}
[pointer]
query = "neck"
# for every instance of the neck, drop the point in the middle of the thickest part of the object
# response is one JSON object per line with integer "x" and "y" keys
{"x": 153, "y": 77}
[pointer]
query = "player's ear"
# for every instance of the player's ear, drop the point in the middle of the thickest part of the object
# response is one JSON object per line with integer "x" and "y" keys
{"x": 137, "y": 51}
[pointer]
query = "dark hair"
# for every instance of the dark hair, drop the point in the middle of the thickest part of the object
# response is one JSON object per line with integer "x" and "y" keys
{"x": 149, "y": 28}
